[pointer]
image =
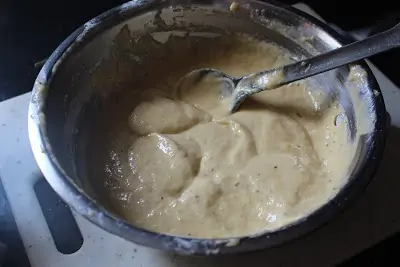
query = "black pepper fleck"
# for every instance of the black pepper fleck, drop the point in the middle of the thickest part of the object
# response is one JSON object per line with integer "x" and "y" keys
{"x": 275, "y": 167}
{"x": 237, "y": 183}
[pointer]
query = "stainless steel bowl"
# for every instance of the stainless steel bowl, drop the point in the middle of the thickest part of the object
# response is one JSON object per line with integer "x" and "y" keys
{"x": 95, "y": 60}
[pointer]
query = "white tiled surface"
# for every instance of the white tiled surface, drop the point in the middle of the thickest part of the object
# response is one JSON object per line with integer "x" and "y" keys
{"x": 372, "y": 218}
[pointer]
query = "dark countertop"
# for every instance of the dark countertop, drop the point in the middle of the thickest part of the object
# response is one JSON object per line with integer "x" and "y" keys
{"x": 31, "y": 30}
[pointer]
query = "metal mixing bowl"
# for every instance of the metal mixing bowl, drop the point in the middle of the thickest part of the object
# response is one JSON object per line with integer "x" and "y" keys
{"x": 94, "y": 60}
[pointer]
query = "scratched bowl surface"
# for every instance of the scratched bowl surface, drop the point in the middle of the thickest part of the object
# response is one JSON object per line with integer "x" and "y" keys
{"x": 97, "y": 59}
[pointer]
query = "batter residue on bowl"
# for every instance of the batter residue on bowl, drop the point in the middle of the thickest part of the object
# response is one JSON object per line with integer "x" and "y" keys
{"x": 179, "y": 163}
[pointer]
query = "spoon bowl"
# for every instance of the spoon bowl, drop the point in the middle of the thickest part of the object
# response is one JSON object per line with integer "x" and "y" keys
{"x": 235, "y": 89}
{"x": 208, "y": 76}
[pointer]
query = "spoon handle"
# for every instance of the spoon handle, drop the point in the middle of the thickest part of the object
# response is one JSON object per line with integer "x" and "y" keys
{"x": 370, "y": 46}
{"x": 271, "y": 79}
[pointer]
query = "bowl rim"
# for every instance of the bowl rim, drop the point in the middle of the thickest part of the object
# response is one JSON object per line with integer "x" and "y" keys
{"x": 75, "y": 197}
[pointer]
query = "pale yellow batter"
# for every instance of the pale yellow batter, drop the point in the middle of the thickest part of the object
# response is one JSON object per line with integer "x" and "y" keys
{"x": 179, "y": 163}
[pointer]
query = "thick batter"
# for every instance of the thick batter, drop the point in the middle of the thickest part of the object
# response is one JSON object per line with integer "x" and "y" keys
{"x": 179, "y": 163}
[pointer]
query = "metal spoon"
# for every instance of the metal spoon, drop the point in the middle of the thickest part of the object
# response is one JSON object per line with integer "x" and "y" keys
{"x": 241, "y": 88}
